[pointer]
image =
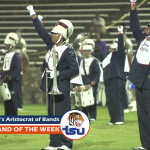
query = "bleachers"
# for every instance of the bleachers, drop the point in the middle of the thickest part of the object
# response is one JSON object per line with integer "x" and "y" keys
{"x": 14, "y": 16}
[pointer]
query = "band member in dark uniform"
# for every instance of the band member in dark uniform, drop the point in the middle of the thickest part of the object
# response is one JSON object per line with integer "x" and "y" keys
{"x": 90, "y": 71}
{"x": 11, "y": 73}
{"x": 139, "y": 75}
{"x": 114, "y": 79}
{"x": 21, "y": 48}
{"x": 67, "y": 68}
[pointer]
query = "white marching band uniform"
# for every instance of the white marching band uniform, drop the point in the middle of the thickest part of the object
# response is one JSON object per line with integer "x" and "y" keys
{"x": 11, "y": 75}
{"x": 60, "y": 51}
{"x": 4, "y": 90}
{"x": 90, "y": 71}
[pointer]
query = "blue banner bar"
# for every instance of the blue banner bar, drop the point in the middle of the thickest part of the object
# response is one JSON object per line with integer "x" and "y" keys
{"x": 30, "y": 119}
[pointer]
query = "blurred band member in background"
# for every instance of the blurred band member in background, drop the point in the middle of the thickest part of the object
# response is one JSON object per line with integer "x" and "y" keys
{"x": 21, "y": 49}
{"x": 90, "y": 70}
{"x": 11, "y": 73}
{"x": 115, "y": 79}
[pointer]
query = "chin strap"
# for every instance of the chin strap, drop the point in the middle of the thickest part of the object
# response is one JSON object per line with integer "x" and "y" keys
{"x": 63, "y": 43}
{"x": 10, "y": 49}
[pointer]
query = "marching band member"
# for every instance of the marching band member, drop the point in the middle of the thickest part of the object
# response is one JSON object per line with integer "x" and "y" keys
{"x": 114, "y": 79}
{"x": 67, "y": 68}
{"x": 90, "y": 71}
{"x": 21, "y": 49}
{"x": 139, "y": 75}
{"x": 11, "y": 73}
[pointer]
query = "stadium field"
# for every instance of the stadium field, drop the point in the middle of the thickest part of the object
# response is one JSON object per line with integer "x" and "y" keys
{"x": 100, "y": 137}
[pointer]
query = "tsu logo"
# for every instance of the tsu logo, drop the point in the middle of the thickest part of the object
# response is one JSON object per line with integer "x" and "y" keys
{"x": 75, "y": 125}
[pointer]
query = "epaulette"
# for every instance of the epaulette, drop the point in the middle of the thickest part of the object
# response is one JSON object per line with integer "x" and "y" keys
{"x": 67, "y": 44}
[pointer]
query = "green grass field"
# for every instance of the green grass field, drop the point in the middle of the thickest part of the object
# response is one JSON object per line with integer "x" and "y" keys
{"x": 100, "y": 137}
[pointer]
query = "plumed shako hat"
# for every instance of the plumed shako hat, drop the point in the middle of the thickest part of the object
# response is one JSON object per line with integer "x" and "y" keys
{"x": 88, "y": 45}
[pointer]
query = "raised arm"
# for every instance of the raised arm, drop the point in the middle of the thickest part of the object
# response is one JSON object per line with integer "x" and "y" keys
{"x": 121, "y": 47}
{"x": 134, "y": 22}
{"x": 40, "y": 28}
{"x": 133, "y": 4}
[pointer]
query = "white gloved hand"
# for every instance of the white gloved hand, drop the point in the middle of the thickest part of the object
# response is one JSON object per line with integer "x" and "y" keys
{"x": 3, "y": 51}
{"x": 52, "y": 74}
{"x": 40, "y": 17}
{"x": 31, "y": 10}
{"x": 133, "y": 1}
{"x": 120, "y": 28}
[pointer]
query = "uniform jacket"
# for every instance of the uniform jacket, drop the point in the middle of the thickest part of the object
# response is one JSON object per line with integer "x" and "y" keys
{"x": 115, "y": 68}
{"x": 93, "y": 72}
{"x": 67, "y": 66}
{"x": 12, "y": 67}
{"x": 140, "y": 68}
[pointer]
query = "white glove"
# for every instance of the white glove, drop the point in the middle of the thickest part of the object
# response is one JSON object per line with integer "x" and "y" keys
{"x": 3, "y": 51}
{"x": 52, "y": 74}
{"x": 133, "y": 1}
{"x": 120, "y": 28}
{"x": 40, "y": 17}
{"x": 31, "y": 10}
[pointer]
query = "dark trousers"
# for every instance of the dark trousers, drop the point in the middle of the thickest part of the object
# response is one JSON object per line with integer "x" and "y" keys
{"x": 19, "y": 95}
{"x": 11, "y": 106}
{"x": 114, "y": 94}
{"x": 125, "y": 100}
{"x": 91, "y": 110}
{"x": 143, "y": 111}
{"x": 62, "y": 105}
